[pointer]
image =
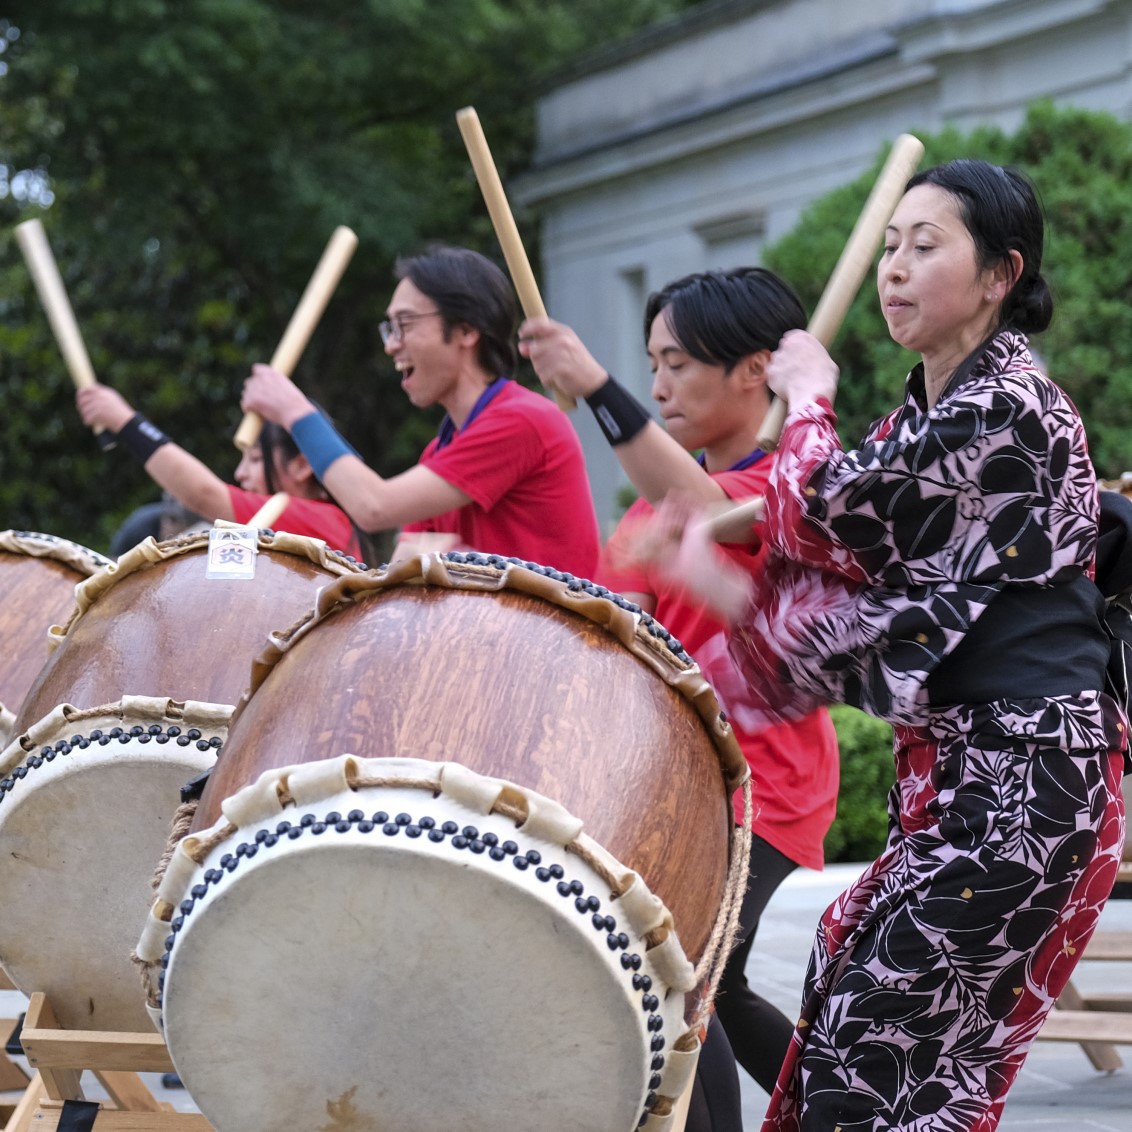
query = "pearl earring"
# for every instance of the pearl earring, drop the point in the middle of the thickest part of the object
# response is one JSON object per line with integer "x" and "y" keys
{"x": 990, "y": 296}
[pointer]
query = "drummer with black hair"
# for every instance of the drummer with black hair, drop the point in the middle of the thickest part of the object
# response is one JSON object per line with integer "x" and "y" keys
{"x": 505, "y": 474}
{"x": 273, "y": 464}
{"x": 709, "y": 338}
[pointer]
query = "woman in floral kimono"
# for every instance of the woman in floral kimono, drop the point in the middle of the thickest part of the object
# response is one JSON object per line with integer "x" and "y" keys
{"x": 939, "y": 576}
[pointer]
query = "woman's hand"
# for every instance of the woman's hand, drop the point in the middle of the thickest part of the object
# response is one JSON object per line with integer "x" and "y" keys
{"x": 103, "y": 407}
{"x": 801, "y": 370}
{"x": 274, "y": 396}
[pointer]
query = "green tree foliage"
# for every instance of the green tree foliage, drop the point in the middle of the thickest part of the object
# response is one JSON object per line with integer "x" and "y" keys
{"x": 190, "y": 159}
{"x": 1081, "y": 164}
{"x": 858, "y": 832}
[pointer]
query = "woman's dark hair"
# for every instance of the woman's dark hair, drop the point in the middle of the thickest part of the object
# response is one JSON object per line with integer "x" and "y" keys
{"x": 469, "y": 290}
{"x": 720, "y": 317}
{"x": 999, "y": 207}
{"x": 274, "y": 439}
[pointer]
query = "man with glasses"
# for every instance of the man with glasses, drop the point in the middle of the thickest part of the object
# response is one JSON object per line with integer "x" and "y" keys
{"x": 505, "y": 475}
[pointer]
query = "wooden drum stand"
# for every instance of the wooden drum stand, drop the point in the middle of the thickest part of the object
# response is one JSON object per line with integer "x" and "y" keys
{"x": 59, "y": 1058}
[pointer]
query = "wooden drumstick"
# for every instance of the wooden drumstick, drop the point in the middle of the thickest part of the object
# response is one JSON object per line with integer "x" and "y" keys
{"x": 270, "y": 511}
{"x": 336, "y": 257}
{"x": 733, "y": 524}
{"x": 856, "y": 258}
{"x": 506, "y": 230}
{"x": 53, "y": 296}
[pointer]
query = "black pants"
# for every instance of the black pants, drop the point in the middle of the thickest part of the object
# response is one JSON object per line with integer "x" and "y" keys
{"x": 758, "y": 1031}
{"x": 716, "y": 1104}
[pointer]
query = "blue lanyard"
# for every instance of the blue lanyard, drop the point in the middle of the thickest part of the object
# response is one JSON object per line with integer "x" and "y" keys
{"x": 447, "y": 431}
{"x": 748, "y": 461}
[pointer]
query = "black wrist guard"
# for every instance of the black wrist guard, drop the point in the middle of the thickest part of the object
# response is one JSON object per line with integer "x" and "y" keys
{"x": 618, "y": 413}
{"x": 141, "y": 438}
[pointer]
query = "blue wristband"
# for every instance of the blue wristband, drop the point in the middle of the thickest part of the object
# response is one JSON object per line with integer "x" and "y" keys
{"x": 319, "y": 441}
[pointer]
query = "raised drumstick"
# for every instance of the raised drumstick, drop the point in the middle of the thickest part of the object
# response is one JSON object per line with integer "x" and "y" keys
{"x": 53, "y": 296}
{"x": 333, "y": 263}
{"x": 506, "y": 230}
{"x": 855, "y": 261}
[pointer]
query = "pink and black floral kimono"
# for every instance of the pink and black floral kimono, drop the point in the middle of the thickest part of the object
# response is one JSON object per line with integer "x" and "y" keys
{"x": 939, "y": 577}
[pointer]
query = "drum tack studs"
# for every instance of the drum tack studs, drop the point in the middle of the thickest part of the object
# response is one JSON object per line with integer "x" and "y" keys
{"x": 520, "y": 863}
{"x": 654, "y": 1081}
{"x": 450, "y": 827}
{"x": 356, "y": 815}
{"x": 642, "y": 982}
{"x": 658, "y": 1062}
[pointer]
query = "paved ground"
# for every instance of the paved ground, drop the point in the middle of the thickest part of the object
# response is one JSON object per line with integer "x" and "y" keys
{"x": 1058, "y": 1091}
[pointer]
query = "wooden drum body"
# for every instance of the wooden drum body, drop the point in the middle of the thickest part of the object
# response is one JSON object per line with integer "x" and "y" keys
{"x": 132, "y": 704}
{"x": 153, "y": 624}
{"x": 38, "y": 575}
{"x": 465, "y": 847}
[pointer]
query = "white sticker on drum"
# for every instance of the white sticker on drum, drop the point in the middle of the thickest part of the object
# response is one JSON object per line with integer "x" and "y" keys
{"x": 231, "y": 553}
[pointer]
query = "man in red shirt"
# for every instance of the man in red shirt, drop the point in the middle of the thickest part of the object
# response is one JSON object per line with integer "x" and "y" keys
{"x": 709, "y": 338}
{"x": 506, "y": 474}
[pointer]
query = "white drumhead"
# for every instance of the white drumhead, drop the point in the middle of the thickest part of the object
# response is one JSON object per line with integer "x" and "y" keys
{"x": 81, "y": 831}
{"x": 362, "y": 979}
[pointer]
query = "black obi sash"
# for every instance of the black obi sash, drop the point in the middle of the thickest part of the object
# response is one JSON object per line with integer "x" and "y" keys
{"x": 1030, "y": 642}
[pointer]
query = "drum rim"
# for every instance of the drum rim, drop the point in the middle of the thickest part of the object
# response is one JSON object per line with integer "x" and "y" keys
{"x": 150, "y": 553}
{"x": 39, "y": 544}
{"x": 200, "y": 864}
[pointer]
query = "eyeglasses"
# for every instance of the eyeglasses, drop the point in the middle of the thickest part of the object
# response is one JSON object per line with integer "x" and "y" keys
{"x": 393, "y": 329}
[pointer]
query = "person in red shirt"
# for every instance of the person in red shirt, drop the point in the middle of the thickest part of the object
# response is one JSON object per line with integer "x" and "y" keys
{"x": 273, "y": 464}
{"x": 505, "y": 475}
{"x": 709, "y": 338}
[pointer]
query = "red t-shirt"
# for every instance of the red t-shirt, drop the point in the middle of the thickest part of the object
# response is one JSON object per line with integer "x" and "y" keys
{"x": 521, "y": 464}
{"x": 794, "y": 766}
{"x": 311, "y": 517}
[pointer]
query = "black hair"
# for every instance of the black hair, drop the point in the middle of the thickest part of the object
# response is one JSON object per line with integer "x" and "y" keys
{"x": 720, "y": 317}
{"x": 274, "y": 438}
{"x": 1000, "y": 208}
{"x": 469, "y": 290}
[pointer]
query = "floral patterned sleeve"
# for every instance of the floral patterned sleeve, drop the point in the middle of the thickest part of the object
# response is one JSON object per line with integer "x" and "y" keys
{"x": 881, "y": 559}
{"x": 992, "y": 484}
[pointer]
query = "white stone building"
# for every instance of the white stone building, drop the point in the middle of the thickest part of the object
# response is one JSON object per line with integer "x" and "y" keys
{"x": 703, "y": 137}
